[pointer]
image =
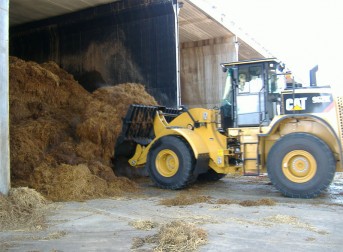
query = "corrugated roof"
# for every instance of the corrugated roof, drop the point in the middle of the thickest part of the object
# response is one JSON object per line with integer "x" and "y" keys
{"x": 195, "y": 25}
{"x": 24, "y": 11}
{"x": 197, "y": 21}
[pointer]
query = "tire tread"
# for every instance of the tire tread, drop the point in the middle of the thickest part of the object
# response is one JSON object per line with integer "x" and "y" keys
{"x": 329, "y": 172}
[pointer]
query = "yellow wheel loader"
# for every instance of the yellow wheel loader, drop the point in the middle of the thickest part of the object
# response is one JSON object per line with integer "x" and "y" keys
{"x": 263, "y": 125}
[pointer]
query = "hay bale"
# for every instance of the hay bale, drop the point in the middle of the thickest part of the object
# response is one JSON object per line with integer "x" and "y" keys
{"x": 102, "y": 171}
{"x": 24, "y": 208}
{"x": 90, "y": 151}
{"x": 103, "y": 119}
{"x": 227, "y": 201}
{"x": 260, "y": 202}
{"x": 143, "y": 224}
{"x": 77, "y": 183}
{"x": 41, "y": 90}
{"x": 247, "y": 203}
{"x": 29, "y": 142}
{"x": 121, "y": 184}
{"x": 180, "y": 236}
{"x": 102, "y": 127}
{"x": 103, "y": 115}
{"x": 123, "y": 95}
{"x": 31, "y": 81}
{"x": 63, "y": 137}
{"x": 68, "y": 182}
{"x": 174, "y": 237}
{"x": 183, "y": 200}
{"x": 65, "y": 153}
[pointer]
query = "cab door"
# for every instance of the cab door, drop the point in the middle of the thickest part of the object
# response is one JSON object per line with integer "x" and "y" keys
{"x": 250, "y": 95}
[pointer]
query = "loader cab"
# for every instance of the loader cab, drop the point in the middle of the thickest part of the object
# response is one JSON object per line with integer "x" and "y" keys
{"x": 252, "y": 93}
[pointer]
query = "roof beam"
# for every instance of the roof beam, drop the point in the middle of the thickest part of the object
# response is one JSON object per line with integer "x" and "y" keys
{"x": 230, "y": 26}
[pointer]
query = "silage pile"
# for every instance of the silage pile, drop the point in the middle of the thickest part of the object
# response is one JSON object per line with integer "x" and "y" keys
{"x": 62, "y": 137}
{"x": 23, "y": 208}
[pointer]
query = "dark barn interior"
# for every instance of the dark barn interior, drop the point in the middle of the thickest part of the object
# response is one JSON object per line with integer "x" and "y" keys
{"x": 119, "y": 42}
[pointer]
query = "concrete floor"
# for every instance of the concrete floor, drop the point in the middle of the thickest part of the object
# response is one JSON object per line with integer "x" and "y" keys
{"x": 104, "y": 224}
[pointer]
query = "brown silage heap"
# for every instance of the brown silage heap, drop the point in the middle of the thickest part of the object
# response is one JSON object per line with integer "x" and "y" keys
{"x": 62, "y": 137}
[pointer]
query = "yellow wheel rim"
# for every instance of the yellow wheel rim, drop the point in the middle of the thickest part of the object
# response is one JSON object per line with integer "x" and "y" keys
{"x": 167, "y": 163}
{"x": 299, "y": 166}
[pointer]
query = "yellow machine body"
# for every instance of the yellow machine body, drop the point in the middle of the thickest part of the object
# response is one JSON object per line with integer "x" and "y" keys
{"x": 204, "y": 140}
{"x": 256, "y": 141}
{"x": 293, "y": 134}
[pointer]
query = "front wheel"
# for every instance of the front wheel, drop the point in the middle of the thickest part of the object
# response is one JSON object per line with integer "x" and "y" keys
{"x": 301, "y": 165}
{"x": 171, "y": 163}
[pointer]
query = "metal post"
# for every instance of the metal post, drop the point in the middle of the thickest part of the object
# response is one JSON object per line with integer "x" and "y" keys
{"x": 237, "y": 48}
{"x": 177, "y": 6}
{"x": 4, "y": 100}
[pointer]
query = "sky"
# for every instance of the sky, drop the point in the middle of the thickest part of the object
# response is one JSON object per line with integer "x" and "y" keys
{"x": 301, "y": 33}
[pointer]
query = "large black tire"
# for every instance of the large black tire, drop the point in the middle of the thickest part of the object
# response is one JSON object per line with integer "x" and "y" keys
{"x": 211, "y": 176}
{"x": 301, "y": 165}
{"x": 171, "y": 163}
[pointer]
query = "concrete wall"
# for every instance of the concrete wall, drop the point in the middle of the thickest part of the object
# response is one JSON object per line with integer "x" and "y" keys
{"x": 202, "y": 79}
{"x": 4, "y": 107}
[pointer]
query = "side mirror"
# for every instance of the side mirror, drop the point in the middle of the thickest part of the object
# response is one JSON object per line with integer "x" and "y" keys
{"x": 281, "y": 66}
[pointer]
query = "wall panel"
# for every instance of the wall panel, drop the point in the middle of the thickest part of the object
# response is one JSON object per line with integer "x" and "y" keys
{"x": 202, "y": 79}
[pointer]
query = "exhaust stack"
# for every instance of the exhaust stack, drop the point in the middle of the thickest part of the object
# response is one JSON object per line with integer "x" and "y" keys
{"x": 313, "y": 77}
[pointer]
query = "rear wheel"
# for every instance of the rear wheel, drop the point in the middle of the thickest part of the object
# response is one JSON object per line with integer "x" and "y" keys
{"x": 301, "y": 165}
{"x": 171, "y": 163}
